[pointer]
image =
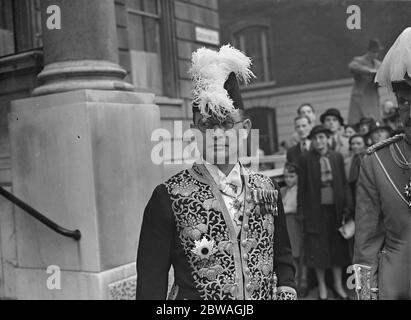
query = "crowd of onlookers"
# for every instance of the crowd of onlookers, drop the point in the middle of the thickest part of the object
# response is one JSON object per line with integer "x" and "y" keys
{"x": 323, "y": 164}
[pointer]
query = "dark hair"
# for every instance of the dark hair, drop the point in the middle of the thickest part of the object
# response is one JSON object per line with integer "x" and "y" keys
{"x": 291, "y": 167}
{"x": 302, "y": 117}
{"x": 303, "y": 105}
{"x": 356, "y": 136}
{"x": 349, "y": 126}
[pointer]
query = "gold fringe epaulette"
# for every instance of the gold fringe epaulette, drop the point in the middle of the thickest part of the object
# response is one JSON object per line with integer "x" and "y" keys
{"x": 384, "y": 143}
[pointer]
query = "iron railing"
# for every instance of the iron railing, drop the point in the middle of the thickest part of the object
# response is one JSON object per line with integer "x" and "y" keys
{"x": 76, "y": 234}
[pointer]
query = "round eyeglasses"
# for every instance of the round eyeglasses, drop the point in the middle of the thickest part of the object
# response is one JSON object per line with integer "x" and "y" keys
{"x": 207, "y": 124}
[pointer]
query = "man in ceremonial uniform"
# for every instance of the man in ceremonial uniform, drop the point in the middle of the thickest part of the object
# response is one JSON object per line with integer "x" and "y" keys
{"x": 383, "y": 209}
{"x": 221, "y": 226}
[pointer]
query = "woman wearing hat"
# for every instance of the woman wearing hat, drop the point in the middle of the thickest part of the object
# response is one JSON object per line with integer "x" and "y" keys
{"x": 333, "y": 121}
{"x": 323, "y": 199}
{"x": 364, "y": 126}
{"x": 364, "y": 96}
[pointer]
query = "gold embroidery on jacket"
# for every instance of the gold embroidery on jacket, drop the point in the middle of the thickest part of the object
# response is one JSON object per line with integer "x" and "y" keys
{"x": 198, "y": 215}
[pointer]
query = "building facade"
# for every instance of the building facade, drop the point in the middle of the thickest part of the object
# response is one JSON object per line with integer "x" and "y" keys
{"x": 301, "y": 50}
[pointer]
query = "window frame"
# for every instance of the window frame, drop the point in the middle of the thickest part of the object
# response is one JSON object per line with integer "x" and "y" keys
{"x": 272, "y": 125}
{"x": 269, "y": 52}
{"x": 26, "y": 26}
{"x": 168, "y": 54}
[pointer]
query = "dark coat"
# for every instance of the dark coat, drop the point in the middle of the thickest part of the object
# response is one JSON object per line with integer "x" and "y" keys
{"x": 383, "y": 223}
{"x": 165, "y": 241}
{"x": 309, "y": 189}
{"x": 293, "y": 153}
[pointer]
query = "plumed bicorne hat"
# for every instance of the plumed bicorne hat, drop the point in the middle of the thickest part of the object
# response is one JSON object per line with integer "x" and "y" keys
{"x": 396, "y": 66}
{"x": 216, "y": 76}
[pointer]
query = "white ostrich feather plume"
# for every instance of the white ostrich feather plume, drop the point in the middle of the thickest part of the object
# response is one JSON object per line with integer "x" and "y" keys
{"x": 209, "y": 71}
{"x": 397, "y": 61}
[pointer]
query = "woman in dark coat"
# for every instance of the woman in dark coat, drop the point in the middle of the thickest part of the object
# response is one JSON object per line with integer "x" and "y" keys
{"x": 323, "y": 199}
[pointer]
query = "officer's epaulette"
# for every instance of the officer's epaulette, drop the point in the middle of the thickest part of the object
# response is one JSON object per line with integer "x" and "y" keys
{"x": 386, "y": 142}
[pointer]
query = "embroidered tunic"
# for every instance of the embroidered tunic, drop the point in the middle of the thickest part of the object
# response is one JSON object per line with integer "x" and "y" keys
{"x": 187, "y": 225}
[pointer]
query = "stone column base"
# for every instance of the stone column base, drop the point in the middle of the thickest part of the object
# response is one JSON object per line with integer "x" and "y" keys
{"x": 114, "y": 284}
{"x": 83, "y": 159}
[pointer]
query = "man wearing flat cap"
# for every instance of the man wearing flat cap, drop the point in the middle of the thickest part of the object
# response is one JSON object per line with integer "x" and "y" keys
{"x": 221, "y": 226}
{"x": 364, "y": 126}
{"x": 364, "y": 96}
{"x": 383, "y": 209}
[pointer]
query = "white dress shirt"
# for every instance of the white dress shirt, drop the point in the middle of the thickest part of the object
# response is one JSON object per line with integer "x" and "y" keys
{"x": 225, "y": 183}
{"x": 290, "y": 200}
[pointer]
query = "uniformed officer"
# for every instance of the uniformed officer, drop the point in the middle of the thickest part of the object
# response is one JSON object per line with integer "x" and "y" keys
{"x": 221, "y": 226}
{"x": 383, "y": 210}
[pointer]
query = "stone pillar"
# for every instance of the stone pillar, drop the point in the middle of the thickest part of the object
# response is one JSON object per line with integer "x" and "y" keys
{"x": 81, "y": 155}
{"x": 83, "y": 54}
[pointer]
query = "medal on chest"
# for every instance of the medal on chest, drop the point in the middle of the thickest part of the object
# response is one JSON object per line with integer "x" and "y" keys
{"x": 237, "y": 206}
{"x": 267, "y": 199}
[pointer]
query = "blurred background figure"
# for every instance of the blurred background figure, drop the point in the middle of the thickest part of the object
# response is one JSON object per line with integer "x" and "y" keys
{"x": 364, "y": 97}
{"x": 333, "y": 121}
{"x": 294, "y": 224}
{"x": 323, "y": 200}
{"x": 364, "y": 125}
{"x": 387, "y": 106}
{"x": 349, "y": 130}
{"x": 392, "y": 119}
{"x": 284, "y": 146}
{"x": 379, "y": 132}
{"x": 352, "y": 170}
{"x": 304, "y": 110}
{"x": 364, "y": 129}
{"x": 302, "y": 126}
{"x": 262, "y": 166}
{"x": 353, "y": 163}
{"x": 307, "y": 110}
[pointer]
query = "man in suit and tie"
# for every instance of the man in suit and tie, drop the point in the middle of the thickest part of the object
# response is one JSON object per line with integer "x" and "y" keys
{"x": 302, "y": 125}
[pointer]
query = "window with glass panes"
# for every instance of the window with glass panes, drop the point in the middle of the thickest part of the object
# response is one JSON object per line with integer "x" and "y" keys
{"x": 145, "y": 46}
{"x": 253, "y": 41}
{"x": 20, "y": 26}
{"x": 7, "y": 45}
